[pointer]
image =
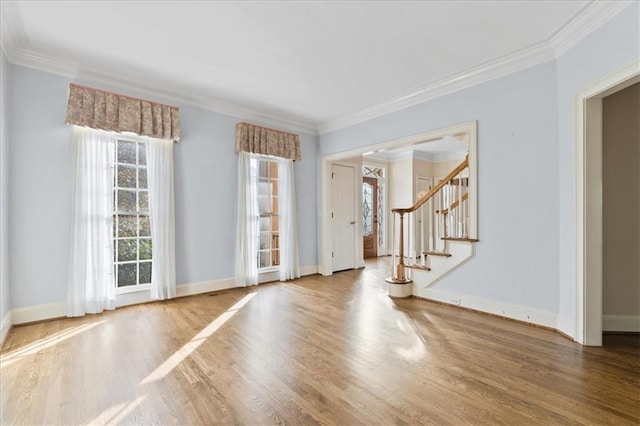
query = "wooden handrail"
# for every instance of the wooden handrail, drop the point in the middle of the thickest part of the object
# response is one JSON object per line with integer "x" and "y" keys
{"x": 455, "y": 204}
{"x": 433, "y": 191}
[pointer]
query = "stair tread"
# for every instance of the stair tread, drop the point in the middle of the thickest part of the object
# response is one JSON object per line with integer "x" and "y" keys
{"x": 415, "y": 266}
{"x": 470, "y": 240}
{"x": 437, "y": 253}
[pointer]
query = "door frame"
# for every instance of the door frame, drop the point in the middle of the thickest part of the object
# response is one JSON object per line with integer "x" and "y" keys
{"x": 354, "y": 156}
{"x": 588, "y": 198}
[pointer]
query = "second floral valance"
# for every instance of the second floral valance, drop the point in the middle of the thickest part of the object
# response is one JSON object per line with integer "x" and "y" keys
{"x": 266, "y": 141}
{"x": 102, "y": 110}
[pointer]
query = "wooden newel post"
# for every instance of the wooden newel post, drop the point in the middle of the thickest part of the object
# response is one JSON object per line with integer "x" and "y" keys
{"x": 400, "y": 266}
{"x": 398, "y": 272}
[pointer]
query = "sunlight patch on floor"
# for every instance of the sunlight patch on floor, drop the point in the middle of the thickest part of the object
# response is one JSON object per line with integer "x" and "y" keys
{"x": 42, "y": 344}
{"x": 413, "y": 353}
{"x": 174, "y": 360}
{"x": 117, "y": 413}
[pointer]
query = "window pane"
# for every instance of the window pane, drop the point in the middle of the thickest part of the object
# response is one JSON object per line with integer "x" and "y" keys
{"x": 276, "y": 257}
{"x": 127, "y": 274}
{"x": 143, "y": 201}
{"x": 275, "y": 241}
{"x": 274, "y": 223}
{"x": 264, "y": 189}
{"x": 127, "y": 250}
{"x": 264, "y": 205}
{"x": 145, "y": 248}
{"x": 274, "y": 205}
{"x": 264, "y": 223}
{"x": 145, "y": 228}
{"x": 126, "y": 176}
{"x": 265, "y": 240}
{"x": 145, "y": 272}
{"x": 367, "y": 208}
{"x": 126, "y": 201}
{"x": 126, "y": 152}
{"x": 263, "y": 170}
{"x": 142, "y": 178}
{"x": 265, "y": 259}
{"x": 273, "y": 169}
{"x": 142, "y": 154}
{"x": 127, "y": 226}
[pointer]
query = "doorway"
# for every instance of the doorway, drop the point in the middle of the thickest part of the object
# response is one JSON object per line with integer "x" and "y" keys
{"x": 328, "y": 233}
{"x": 589, "y": 203}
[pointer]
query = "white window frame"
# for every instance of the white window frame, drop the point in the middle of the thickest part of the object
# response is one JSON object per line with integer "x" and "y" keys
{"x": 268, "y": 179}
{"x": 136, "y": 287}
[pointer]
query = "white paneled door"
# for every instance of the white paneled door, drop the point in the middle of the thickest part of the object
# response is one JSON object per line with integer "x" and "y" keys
{"x": 343, "y": 217}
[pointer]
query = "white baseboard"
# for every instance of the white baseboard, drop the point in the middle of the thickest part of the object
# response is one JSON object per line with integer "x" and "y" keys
{"x": 5, "y": 326}
{"x": 57, "y": 310}
{"x": 38, "y": 313}
{"x": 507, "y": 310}
{"x": 566, "y": 326}
{"x": 627, "y": 323}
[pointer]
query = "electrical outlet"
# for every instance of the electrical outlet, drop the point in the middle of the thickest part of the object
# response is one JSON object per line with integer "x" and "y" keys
{"x": 456, "y": 301}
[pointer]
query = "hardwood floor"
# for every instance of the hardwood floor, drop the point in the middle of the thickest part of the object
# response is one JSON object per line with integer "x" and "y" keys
{"x": 333, "y": 350}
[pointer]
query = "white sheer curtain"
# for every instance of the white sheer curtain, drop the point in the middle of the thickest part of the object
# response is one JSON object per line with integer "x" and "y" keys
{"x": 289, "y": 264}
{"x": 161, "y": 218}
{"x": 248, "y": 226}
{"x": 91, "y": 286}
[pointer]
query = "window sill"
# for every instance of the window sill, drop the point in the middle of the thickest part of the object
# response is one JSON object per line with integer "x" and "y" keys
{"x": 133, "y": 288}
{"x": 270, "y": 269}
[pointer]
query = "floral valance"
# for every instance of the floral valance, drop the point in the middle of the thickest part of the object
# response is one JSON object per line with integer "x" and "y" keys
{"x": 266, "y": 141}
{"x": 109, "y": 111}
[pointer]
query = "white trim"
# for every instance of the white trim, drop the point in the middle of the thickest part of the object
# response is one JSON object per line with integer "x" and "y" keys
{"x": 19, "y": 52}
{"x": 502, "y": 309}
{"x": 508, "y": 64}
{"x": 12, "y": 30}
{"x": 57, "y": 310}
{"x": 584, "y": 23}
{"x": 625, "y": 323}
{"x": 588, "y": 202}
{"x": 566, "y": 326}
{"x": 38, "y": 313}
{"x": 5, "y": 326}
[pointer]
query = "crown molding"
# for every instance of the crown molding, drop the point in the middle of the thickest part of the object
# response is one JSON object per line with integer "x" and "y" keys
{"x": 500, "y": 67}
{"x": 19, "y": 52}
{"x": 584, "y": 23}
{"x": 12, "y": 33}
{"x": 587, "y": 20}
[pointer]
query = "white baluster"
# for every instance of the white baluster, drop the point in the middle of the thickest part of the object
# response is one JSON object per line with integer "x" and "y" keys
{"x": 459, "y": 208}
{"x": 393, "y": 245}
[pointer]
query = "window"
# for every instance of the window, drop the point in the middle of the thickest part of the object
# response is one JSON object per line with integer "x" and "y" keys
{"x": 269, "y": 248}
{"x": 132, "y": 232}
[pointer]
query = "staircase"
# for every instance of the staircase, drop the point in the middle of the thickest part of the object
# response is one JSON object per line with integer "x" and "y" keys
{"x": 433, "y": 235}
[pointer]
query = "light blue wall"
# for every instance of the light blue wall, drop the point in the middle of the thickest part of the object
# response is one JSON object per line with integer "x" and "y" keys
{"x": 525, "y": 177}
{"x": 205, "y": 185}
{"x": 608, "y": 49}
{"x": 517, "y": 257}
{"x": 4, "y": 188}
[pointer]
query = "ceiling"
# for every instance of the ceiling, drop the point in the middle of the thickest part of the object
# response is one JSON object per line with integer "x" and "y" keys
{"x": 453, "y": 147}
{"x": 306, "y": 62}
